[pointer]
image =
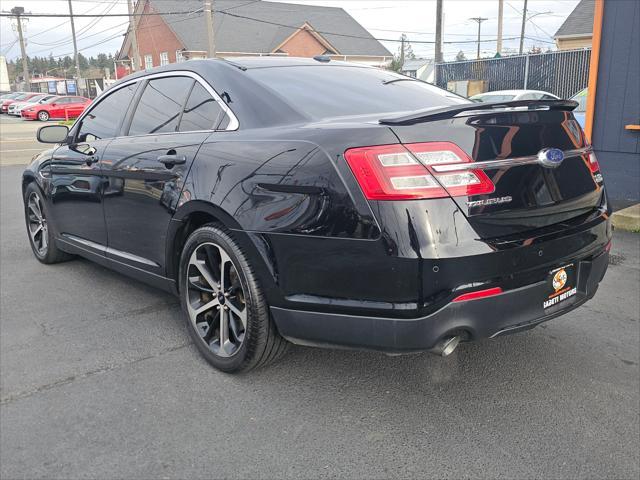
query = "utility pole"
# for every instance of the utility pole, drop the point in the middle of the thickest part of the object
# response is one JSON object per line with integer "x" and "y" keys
{"x": 479, "y": 20}
{"x": 439, "y": 31}
{"x": 79, "y": 89}
{"x": 135, "y": 61}
{"x": 17, "y": 12}
{"x": 524, "y": 23}
{"x": 500, "y": 15}
{"x": 208, "y": 16}
{"x": 402, "y": 52}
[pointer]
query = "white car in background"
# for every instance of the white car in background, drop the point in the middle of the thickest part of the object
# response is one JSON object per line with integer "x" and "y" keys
{"x": 512, "y": 95}
{"x": 16, "y": 108}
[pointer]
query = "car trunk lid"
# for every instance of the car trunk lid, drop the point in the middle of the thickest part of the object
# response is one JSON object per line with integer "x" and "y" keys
{"x": 519, "y": 147}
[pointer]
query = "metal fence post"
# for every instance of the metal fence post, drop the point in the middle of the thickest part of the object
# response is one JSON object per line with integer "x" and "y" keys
{"x": 526, "y": 71}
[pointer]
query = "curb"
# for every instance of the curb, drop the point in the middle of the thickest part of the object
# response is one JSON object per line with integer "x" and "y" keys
{"x": 627, "y": 218}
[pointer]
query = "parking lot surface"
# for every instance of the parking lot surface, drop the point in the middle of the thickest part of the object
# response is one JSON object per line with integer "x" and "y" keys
{"x": 99, "y": 380}
{"x": 18, "y": 140}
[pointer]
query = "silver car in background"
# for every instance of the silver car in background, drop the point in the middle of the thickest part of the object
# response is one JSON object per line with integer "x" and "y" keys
{"x": 15, "y": 108}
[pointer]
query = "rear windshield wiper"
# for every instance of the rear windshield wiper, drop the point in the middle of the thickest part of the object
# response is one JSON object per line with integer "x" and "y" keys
{"x": 394, "y": 80}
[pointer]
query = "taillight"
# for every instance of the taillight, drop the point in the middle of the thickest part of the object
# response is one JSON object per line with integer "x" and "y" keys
{"x": 403, "y": 172}
{"x": 594, "y": 166}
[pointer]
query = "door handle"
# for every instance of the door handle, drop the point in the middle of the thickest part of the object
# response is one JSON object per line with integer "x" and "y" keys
{"x": 171, "y": 160}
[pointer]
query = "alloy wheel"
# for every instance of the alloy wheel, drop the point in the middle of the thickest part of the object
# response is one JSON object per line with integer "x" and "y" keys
{"x": 43, "y": 116}
{"x": 216, "y": 300}
{"x": 38, "y": 230}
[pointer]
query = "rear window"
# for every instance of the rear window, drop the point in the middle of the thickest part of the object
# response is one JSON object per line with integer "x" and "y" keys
{"x": 335, "y": 91}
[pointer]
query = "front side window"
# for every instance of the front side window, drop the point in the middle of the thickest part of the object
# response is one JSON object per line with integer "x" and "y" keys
{"x": 148, "y": 61}
{"x": 103, "y": 120}
{"x": 160, "y": 106}
{"x": 202, "y": 112}
{"x": 164, "y": 58}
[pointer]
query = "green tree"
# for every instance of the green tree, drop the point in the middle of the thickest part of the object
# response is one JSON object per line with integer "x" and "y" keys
{"x": 82, "y": 60}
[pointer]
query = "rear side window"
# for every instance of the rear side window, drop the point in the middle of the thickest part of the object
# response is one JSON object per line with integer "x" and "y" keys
{"x": 160, "y": 106}
{"x": 103, "y": 120}
{"x": 332, "y": 91}
{"x": 201, "y": 112}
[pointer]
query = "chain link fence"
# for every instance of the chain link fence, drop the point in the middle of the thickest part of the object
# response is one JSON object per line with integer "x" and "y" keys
{"x": 563, "y": 73}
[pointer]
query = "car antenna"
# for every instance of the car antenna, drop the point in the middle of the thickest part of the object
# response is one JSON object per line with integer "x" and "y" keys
{"x": 322, "y": 58}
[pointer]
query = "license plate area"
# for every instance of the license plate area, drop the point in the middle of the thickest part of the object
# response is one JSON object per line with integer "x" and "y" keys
{"x": 561, "y": 286}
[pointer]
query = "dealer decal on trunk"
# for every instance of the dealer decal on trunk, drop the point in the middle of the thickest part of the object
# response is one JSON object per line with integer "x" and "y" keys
{"x": 563, "y": 285}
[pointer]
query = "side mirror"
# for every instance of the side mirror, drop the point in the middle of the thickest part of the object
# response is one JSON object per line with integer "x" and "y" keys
{"x": 53, "y": 133}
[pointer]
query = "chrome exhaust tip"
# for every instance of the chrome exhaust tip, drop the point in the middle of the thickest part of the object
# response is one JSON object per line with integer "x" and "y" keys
{"x": 446, "y": 346}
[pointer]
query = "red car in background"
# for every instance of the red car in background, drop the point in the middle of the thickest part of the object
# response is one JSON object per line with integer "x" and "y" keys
{"x": 64, "y": 107}
{"x": 24, "y": 97}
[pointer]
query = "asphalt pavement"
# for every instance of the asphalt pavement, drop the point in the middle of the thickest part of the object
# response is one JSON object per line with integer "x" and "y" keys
{"x": 18, "y": 140}
{"x": 98, "y": 379}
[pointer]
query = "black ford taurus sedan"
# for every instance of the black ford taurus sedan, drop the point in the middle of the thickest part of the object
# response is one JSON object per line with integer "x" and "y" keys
{"x": 325, "y": 203}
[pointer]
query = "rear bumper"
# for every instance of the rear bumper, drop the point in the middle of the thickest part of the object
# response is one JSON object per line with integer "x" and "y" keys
{"x": 514, "y": 310}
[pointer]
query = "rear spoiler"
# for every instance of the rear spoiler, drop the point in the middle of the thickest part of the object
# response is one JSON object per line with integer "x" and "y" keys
{"x": 467, "y": 109}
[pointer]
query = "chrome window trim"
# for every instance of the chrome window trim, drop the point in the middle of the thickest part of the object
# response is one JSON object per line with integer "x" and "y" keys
{"x": 505, "y": 162}
{"x": 234, "y": 124}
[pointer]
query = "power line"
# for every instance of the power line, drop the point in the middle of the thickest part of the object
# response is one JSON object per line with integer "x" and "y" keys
{"x": 226, "y": 12}
{"x": 479, "y": 21}
{"x": 92, "y": 15}
{"x": 119, "y": 34}
{"x": 430, "y": 42}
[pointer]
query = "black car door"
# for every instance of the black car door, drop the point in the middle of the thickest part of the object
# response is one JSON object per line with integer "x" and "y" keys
{"x": 77, "y": 183}
{"x": 147, "y": 168}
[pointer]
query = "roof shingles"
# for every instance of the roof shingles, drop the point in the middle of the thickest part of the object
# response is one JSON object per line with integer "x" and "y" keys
{"x": 259, "y": 27}
{"x": 579, "y": 22}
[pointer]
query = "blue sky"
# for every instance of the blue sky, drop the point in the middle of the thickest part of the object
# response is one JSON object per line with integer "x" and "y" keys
{"x": 383, "y": 18}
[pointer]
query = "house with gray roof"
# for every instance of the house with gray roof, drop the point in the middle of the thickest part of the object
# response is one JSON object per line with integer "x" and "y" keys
{"x": 577, "y": 29}
{"x": 169, "y": 31}
{"x": 420, "y": 68}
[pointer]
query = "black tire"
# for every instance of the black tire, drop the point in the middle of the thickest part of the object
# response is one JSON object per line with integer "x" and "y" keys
{"x": 50, "y": 253}
{"x": 261, "y": 343}
{"x": 43, "y": 116}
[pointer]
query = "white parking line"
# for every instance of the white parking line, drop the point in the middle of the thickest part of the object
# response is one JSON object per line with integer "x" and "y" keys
{"x": 22, "y": 150}
{"x": 22, "y": 139}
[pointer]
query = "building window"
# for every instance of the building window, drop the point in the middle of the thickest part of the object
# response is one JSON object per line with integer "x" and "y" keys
{"x": 164, "y": 58}
{"x": 179, "y": 57}
{"x": 148, "y": 62}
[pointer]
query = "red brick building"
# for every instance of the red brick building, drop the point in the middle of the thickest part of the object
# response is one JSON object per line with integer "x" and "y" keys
{"x": 170, "y": 31}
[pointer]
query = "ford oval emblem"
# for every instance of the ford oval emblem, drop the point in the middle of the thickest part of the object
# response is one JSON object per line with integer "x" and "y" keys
{"x": 550, "y": 157}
